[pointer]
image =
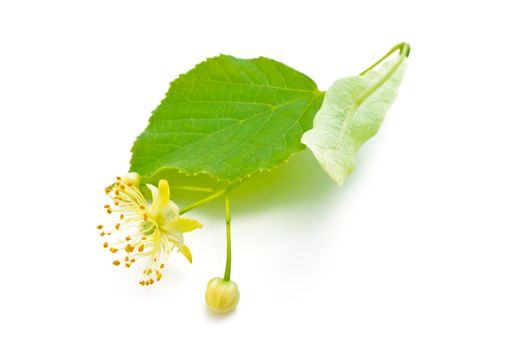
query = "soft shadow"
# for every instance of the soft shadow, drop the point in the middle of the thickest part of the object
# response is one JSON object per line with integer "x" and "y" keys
{"x": 216, "y": 316}
{"x": 297, "y": 182}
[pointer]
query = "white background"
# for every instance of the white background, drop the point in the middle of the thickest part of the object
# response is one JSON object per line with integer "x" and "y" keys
{"x": 422, "y": 248}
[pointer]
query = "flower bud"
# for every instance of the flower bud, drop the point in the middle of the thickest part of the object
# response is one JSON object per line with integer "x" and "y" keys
{"x": 222, "y": 296}
{"x": 132, "y": 179}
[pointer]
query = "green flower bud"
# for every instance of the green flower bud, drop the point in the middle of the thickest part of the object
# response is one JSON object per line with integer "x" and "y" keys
{"x": 222, "y": 296}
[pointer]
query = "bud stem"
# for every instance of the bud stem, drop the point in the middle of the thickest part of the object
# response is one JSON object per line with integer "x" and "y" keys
{"x": 228, "y": 238}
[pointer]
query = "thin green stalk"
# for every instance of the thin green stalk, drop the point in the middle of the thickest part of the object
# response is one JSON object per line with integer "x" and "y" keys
{"x": 202, "y": 201}
{"x": 404, "y": 51}
{"x": 227, "y": 271}
{"x": 194, "y": 188}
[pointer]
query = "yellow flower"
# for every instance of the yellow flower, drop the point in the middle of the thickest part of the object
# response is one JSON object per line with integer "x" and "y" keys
{"x": 143, "y": 230}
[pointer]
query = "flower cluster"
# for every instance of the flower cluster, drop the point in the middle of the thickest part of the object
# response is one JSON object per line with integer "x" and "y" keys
{"x": 143, "y": 230}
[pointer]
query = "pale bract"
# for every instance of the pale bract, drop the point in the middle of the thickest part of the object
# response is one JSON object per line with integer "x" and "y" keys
{"x": 352, "y": 112}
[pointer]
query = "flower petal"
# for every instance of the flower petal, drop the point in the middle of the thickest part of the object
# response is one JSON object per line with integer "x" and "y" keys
{"x": 154, "y": 192}
{"x": 164, "y": 194}
{"x": 180, "y": 225}
{"x": 186, "y": 252}
{"x": 173, "y": 208}
{"x": 168, "y": 214}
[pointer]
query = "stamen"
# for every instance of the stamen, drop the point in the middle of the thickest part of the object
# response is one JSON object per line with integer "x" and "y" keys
{"x": 116, "y": 263}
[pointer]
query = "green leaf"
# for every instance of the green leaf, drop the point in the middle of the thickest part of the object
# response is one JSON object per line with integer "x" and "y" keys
{"x": 352, "y": 112}
{"x": 228, "y": 118}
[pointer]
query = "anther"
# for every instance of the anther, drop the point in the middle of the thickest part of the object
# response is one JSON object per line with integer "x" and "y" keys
{"x": 100, "y": 227}
{"x": 116, "y": 263}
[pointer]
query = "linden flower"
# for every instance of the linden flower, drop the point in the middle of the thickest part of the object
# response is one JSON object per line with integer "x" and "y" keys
{"x": 145, "y": 231}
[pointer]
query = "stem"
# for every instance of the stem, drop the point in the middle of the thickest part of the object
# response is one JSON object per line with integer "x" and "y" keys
{"x": 227, "y": 271}
{"x": 210, "y": 198}
{"x": 202, "y": 201}
{"x": 404, "y": 51}
{"x": 404, "y": 48}
{"x": 193, "y": 188}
